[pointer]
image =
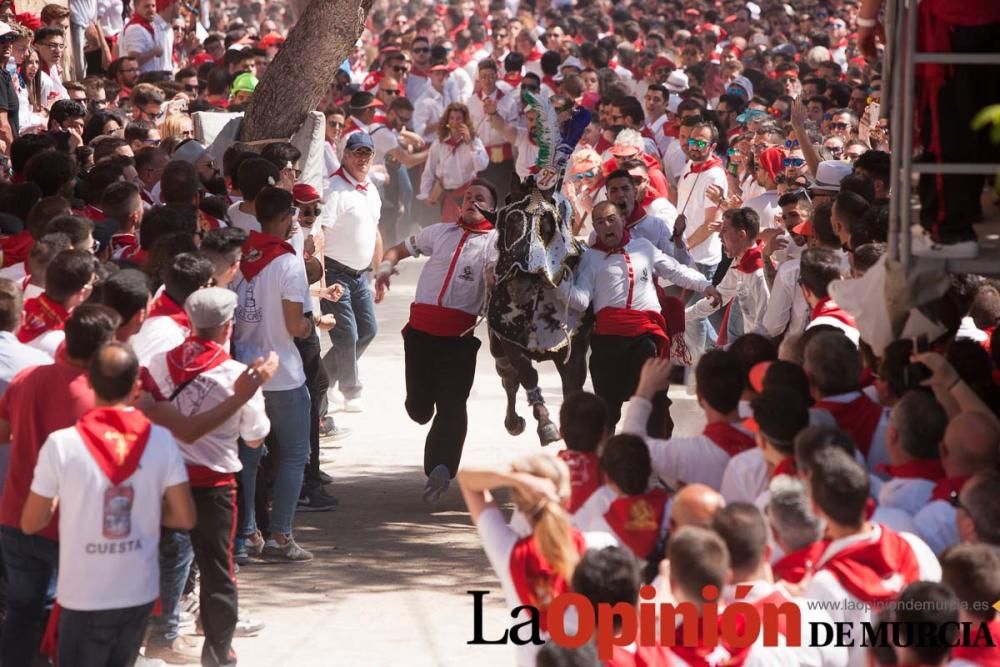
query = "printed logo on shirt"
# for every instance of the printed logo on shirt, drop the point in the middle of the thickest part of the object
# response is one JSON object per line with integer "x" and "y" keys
{"x": 248, "y": 312}
{"x": 466, "y": 274}
{"x": 117, "y": 523}
{"x": 644, "y": 276}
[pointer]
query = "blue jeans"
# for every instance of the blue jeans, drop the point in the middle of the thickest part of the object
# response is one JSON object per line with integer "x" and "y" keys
{"x": 356, "y": 328}
{"x": 31, "y": 563}
{"x": 176, "y": 555}
{"x": 699, "y": 333}
{"x": 289, "y": 414}
{"x": 246, "y": 520}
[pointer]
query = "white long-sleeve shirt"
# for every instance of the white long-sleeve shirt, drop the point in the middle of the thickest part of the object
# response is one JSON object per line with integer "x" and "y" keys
{"x": 787, "y": 310}
{"x": 751, "y": 288}
{"x": 481, "y": 120}
{"x": 655, "y": 230}
{"x": 608, "y": 280}
{"x": 454, "y": 166}
{"x": 427, "y": 111}
{"x": 453, "y": 276}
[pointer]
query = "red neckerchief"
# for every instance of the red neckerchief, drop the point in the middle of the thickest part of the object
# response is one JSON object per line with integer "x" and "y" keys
{"x": 859, "y": 417}
{"x": 610, "y": 250}
{"x": 827, "y": 307}
{"x": 728, "y": 438}
{"x": 146, "y": 197}
{"x": 142, "y": 23}
{"x": 93, "y": 213}
{"x": 359, "y": 187}
{"x": 944, "y": 489}
{"x": 794, "y": 567}
{"x": 164, "y": 306}
{"x": 124, "y": 246}
{"x": 16, "y": 248}
{"x": 638, "y": 213}
{"x": 584, "y": 476}
{"x": 481, "y": 227}
{"x": 785, "y": 466}
{"x": 416, "y": 71}
{"x": 752, "y": 260}
{"x": 192, "y": 358}
{"x": 535, "y": 582}
{"x": 116, "y": 438}
{"x": 697, "y": 654}
{"x": 550, "y": 82}
{"x": 875, "y": 572}
{"x": 259, "y": 250}
{"x": 636, "y": 520}
{"x": 981, "y": 653}
{"x": 372, "y": 80}
{"x": 513, "y": 78}
{"x": 603, "y": 145}
{"x": 41, "y": 314}
{"x": 929, "y": 469}
{"x": 535, "y": 55}
{"x": 698, "y": 167}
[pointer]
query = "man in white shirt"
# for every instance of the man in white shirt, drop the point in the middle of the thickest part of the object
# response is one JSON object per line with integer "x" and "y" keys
{"x": 622, "y": 191}
{"x": 167, "y": 325}
{"x": 787, "y": 311}
{"x": 196, "y": 376}
{"x": 69, "y": 280}
{"x": 14, "y": 355}
{"x": 769, "y": 165}
{"x": 818, "y": 268}
{"x": 970, "y": 445}
{"x": 429, "y": 109}
{"x": 272, "y": 293}
{"x": 352, "y": 245}
{"x": 917, "y": 424}
{"x": 618, "y": 275}
{"x": 744, "y": 285}
{"x": 484, "y": 104}
{"x": 117, "y": 479}
{"x": 745, "y": 532}
{"x": 438, "y": 342}
{"x": 700, "y": 458}
{"x": 865, "y": 563}
{"x": 656, "y": 116}
{"x": 148, "y": 39}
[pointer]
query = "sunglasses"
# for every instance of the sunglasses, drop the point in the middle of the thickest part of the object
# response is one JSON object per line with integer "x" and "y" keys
{"x": 795, "y": 162}
{"x": 585, "y": 174}
{"x": 421, "y": 49}
{"x": 697, "y": 143}
{"x": 390, "y": 91}
{"x": 792, "y": 143}
{"x": 399, "y": 69}
{"x": 363, "y": 153}
{"x": 839, "y": 126}
{"x": 335, "y": 125}
{"x": 836, "y": 150}
{"x": 192, "y": 88}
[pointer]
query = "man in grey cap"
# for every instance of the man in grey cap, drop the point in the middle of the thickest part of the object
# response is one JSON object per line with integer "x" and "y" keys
{"x": 9, "y": 103}
{"x": 196, "y": 376}
{"x": 194, "y": 152}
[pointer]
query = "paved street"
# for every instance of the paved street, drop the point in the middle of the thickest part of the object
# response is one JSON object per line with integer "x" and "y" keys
{"x": 388, "y": 585}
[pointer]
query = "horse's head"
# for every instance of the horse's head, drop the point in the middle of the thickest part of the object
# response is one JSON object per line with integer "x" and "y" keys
{"x": 534, "y": 233}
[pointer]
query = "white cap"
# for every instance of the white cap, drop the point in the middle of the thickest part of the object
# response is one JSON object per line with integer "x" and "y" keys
{"x": 829, "y": 174}
{"x": 673, "y": 103}
{"x": 754, "y": 10}
{"x": 4, "y": 29}
{"x": 572, "y": 61}
{"x": 677, "y": 82}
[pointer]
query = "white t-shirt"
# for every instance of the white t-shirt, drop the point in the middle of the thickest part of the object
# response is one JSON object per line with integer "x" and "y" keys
{"x": 108, "y": 538}
{"x": 766, "y": 206}
{"x": 527, "y": 154}
{"x": 260, "y": 319}
{"x": 217, "y": 450}
{"x": 48, "y": 342}
{"x": 692, "y": 202}
{"x": 157, "y": 335}
{"x": 498, "y": 541}
{"x": 350, "y": 221}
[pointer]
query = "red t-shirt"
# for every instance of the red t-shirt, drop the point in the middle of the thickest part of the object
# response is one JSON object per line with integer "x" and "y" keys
{"x": 38, "y": 401}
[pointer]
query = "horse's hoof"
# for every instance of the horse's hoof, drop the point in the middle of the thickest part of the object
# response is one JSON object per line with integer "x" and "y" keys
{"x": 515, "y": 426}
{"x": 548, "y": 433}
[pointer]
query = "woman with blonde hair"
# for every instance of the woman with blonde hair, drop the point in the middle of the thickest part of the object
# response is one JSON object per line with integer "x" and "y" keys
{"x": 453, "y": 161}
{"x": 537, "y": 567}
{"x": 179, "y": 125}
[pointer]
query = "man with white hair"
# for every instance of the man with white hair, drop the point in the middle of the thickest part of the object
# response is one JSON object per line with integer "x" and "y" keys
{"x": 794, "y": 528}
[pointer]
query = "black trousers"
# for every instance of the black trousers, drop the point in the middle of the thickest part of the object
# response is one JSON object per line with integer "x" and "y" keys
{"x": 318, "y": 383}
{"x": 212, "y": 541}
{"x": 951, "y": 210}
{"x": 498, "y": 174}
{"x": 439, "y": 375}
{"x": 615, "y": 364}
{"x": 105, "y": 638}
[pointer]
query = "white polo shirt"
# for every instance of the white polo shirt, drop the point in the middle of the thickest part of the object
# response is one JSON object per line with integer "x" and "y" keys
{"x": 98, "y": 571}
{"x": 936, "y": 525}
{"x": 157, "y": 335}
{"x": 349, "y": 221}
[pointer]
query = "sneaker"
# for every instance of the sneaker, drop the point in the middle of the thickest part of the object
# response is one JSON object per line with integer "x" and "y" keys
{"x": 353, "y": 404}
{"x": 254, "y": 544}
{"x": 324, "y": 478}
{"x": 290, "y": 551}
{"x": 182, "y": 651}
{"x": 143, "y": 661}
{"x": 316, "y": 500}
{"x": 186, "y": 621}
{"x": 240, "y": 555}
{"x": 923, "y": 245}
{"x": 326, "y": 426}
{"x": 437, "y": 483}
{"x": 245, "y": 627}
{"x": 335, "y": 434}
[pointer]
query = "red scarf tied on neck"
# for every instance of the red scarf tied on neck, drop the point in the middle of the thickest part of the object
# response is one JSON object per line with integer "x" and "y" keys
{"x": 698, "y": 167}
{"x": 728, "y": 438}
{"x": 259, "y": 250}
{"x": 142, "y": 23}
{"x": 41, "y": 314}
{"x": 619, "y": 247}
{"x": 164, "y": 306}
{"x": 752, "y": 259}
{"x": 536, "y": 583}
{"x": 116, "y": 438}
{"x": 875, "y": 572}
{"x": 16, "y": 248}
{"x": 192, "y": 358}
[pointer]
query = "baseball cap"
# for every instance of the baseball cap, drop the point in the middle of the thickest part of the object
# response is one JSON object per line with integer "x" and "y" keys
{"x": 210, "y": 307}
{"x": 5, "y": 31}
{"x": 677, "y": 82}
{"x": 303, "y": 193}
{"x": 572, "y": 61}
{"x": 190, "y": 151}
{"x": 245, "y": 83}
{"x": 362, "y": 100}
{"x": 359, "y": 140}
{"x": 271, "y": 39}
{"x": 829, "y": 174}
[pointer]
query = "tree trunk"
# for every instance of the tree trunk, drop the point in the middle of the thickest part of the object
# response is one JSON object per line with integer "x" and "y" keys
{"x": 303, "y": 68}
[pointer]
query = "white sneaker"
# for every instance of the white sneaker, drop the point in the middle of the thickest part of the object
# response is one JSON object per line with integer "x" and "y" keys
{"x": 353, "y": 404}
{"x": 143, "y": 661}
{"x": 922, "y": 245}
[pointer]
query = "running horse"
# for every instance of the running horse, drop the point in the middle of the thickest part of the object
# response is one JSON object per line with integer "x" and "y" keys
{"x": 528, "y": 319}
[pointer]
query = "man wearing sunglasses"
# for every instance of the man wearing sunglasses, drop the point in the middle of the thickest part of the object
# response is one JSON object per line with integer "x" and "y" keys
{"x": 148, "y": 38}
{"x": 418, "y": 78}
{"x": 430, "y": 107}
{"x": 9, "y": 103}
{"x": 698, "y": 218}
